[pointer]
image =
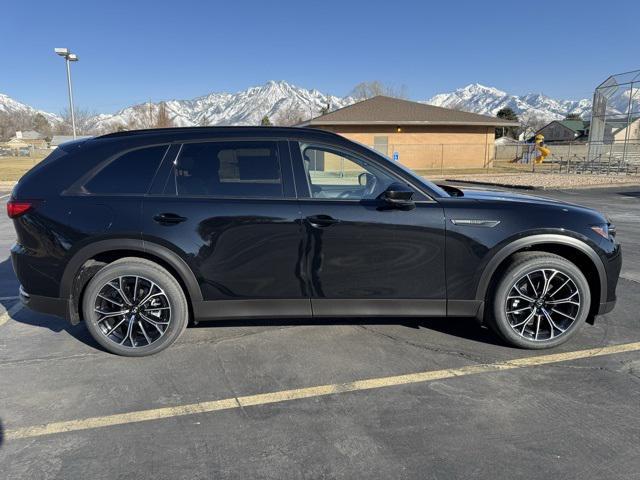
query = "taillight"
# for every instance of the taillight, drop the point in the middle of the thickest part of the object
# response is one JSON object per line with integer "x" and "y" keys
{"x": 15, "y": 208}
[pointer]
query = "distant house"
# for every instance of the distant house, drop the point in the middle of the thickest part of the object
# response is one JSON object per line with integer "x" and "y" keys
{"x": 29, "y": 139}
{"x": 630, "y": 133}
{"x": 565, "y": 131}
{"x": 419, "y": 136}
{"x": 58, "y": 140}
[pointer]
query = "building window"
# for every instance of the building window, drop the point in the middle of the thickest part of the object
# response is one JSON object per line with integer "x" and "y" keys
{"x": 381, "y": 144}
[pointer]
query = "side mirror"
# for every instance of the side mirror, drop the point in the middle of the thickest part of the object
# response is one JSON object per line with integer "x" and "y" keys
{"x": 398, "y": 196}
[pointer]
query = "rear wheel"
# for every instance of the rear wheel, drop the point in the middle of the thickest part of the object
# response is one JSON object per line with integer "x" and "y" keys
{"x": 134, "y": 307}
{"x": 541, "y": 301}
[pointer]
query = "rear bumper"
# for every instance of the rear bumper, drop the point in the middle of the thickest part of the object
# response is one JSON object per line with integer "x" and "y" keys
{"x": 49, "y": 305}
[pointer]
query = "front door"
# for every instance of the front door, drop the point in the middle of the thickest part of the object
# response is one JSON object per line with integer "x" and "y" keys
{"x": 228, "y": 208}
{"x": 363, "y": 258}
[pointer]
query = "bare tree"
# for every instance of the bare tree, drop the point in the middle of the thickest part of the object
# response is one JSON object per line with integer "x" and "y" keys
{"x": 289, "y": 116}
{"x": 12, "y": 122}
{"x": 205, "y": 121}
{"x": 530, "y": 124}
{"x": 84, "y": 122}
{"x": 163, "y": 119}
{"x": 373, "y": 88}
{"x": 150, "y": 115}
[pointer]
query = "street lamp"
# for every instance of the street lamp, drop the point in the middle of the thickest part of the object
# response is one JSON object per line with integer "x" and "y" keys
{"x": 69, "y": 57}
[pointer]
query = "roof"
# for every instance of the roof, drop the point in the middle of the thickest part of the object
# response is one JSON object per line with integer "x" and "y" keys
{"x": 575, "y": 125}
{"x": 17, "y": 143}
{"x": 382, "y": 110}
{"x": 507, "y": 141}
{"x": 232, "y": 131}
{"x": 59, "y": 139}
{"x": 30, "y": 135}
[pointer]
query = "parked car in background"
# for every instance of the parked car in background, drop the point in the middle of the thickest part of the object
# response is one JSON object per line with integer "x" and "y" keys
{"x": 135, "y": 233}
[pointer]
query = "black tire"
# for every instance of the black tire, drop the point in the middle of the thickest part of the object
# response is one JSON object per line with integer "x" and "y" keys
{"x": 506, "y": 319}
{"x": 171, "y": 308}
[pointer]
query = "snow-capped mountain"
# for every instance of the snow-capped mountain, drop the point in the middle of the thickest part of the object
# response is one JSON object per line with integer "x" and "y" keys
{"x": 286, "y": 103}
{"x": 12, "y": 107}
{"x": 477, "y": 98}
{"x": 276, "y": 100}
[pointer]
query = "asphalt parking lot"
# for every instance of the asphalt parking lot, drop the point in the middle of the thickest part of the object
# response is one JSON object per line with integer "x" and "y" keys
{"x": 424, "y": 398}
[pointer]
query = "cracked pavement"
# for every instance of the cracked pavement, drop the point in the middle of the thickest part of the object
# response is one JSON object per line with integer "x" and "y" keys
{"x": 576, "y": 419}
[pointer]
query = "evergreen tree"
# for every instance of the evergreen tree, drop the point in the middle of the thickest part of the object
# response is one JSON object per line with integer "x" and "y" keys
{"x": 507, "y": 113}
{"x": 41, "y": 125}
{"x": 265, "y": 122}
{"x": 573, "y": 116}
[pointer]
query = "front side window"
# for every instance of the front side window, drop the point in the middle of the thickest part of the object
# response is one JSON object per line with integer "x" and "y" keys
{"x": 337, "y": 175}
{"x": 131, "y": 173}
{"x": 233, "y": 169}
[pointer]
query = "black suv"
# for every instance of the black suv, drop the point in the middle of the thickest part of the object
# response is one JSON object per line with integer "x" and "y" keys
{"x": 137, "y": 232}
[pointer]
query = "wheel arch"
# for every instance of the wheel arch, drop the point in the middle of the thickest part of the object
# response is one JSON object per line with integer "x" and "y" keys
{"x": 571, "y": 248}
{"x": 104, "y": 251}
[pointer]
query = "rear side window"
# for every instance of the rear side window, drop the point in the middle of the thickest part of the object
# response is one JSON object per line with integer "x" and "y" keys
{"x": 228, "y": 169}
{"x": 130, "y": 173}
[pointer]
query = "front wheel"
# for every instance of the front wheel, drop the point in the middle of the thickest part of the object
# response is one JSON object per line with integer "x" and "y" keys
{"x": 134, "y": 307}
{"x": 541, "y": 301}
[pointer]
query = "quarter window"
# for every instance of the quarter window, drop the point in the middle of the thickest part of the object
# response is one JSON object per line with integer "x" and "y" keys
{"x": 130, "y": 173}
{"x": 235, "y": 169}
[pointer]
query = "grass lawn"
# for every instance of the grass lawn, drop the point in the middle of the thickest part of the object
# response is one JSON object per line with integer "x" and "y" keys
{"x": 12, "y": 168}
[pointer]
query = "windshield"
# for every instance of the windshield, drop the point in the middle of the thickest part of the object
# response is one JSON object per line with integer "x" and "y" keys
{"x": 418, "y": 179}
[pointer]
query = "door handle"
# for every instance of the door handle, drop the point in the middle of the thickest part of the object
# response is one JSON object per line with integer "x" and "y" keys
{"x": 322, "y": 220}
{"x": 168, "y": 218}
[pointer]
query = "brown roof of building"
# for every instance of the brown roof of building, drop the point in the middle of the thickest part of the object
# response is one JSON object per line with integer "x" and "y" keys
{"x": 386, "y": 110}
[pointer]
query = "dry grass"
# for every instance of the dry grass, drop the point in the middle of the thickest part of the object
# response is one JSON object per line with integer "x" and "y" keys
{"x": 12, "y": 168}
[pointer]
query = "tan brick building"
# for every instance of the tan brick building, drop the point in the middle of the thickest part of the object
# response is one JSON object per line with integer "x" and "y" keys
{"x": 422, "y": 137}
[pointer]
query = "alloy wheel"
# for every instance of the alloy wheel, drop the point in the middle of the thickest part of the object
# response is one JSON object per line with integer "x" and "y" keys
{"x": 133, "y": 311}
{"x": 542, "y": 304}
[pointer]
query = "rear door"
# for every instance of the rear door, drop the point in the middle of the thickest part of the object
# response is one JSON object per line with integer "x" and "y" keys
{"x": 362, "y": 257}
{"x": 228, "y": 208}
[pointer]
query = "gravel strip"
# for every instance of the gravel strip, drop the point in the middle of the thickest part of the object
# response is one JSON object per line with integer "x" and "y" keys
{"x": 546, "y": 180}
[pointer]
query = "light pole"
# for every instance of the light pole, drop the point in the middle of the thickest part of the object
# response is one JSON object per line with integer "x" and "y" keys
{"x": 69, "y": 57}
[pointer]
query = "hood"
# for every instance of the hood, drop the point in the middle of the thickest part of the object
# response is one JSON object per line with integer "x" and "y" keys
{"x": 522, "y": 198}
{"x": 503, "y": 196}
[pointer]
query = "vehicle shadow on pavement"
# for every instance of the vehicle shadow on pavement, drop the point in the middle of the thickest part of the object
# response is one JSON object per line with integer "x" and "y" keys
{"x": 465, "y": 328}
{"x": 55, "y": 324}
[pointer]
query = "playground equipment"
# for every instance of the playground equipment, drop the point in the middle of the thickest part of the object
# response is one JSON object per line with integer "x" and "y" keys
{"x": 541, "y": 150}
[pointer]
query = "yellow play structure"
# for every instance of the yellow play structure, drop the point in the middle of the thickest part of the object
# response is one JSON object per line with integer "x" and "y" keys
{"x": 542, "y": 151}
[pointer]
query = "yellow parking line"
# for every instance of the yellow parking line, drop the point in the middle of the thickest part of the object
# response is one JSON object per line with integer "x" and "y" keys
{"x": 6, "y": 316}
{"x": 309, "y": 392}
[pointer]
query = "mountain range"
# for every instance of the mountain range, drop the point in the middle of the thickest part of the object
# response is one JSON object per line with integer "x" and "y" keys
{"x": 286, "y": 103}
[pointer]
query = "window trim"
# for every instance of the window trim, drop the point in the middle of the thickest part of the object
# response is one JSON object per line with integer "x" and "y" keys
{"x": 284, "y": 162}
{"x": 76, "y": 189}
{"x": 302, "y": 176}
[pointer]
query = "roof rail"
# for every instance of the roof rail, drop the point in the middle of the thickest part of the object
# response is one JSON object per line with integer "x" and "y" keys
{"x": 155, "y": 131}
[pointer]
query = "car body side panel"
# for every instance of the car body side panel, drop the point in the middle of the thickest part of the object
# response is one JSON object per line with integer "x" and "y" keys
{"x": 237, "y": 249}
{"x": 471, "y": 248}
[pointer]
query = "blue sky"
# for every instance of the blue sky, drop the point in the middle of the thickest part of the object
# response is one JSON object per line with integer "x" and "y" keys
{"x": 136, "y": 51}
